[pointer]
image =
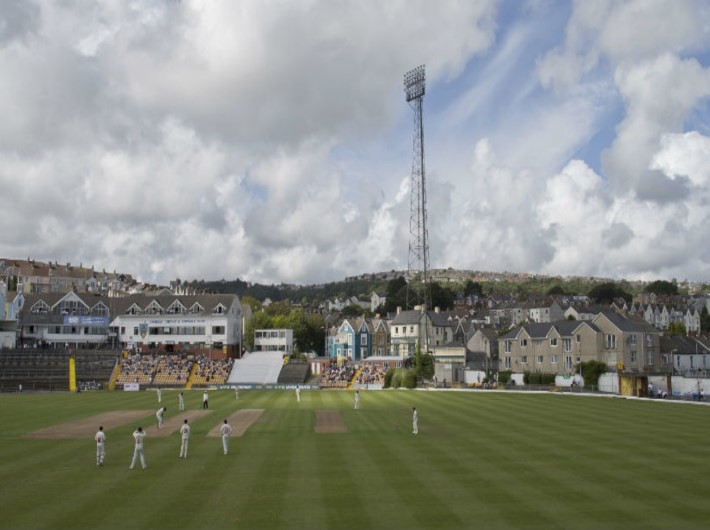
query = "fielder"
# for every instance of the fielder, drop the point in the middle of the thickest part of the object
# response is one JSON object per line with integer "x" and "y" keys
{"x": 205, "y": 402}
{"x": 185, "y": 435}
{"x": 415, "y": 421}
{"x": 236, "y": 393}
{"x": 160, "y": 395}
{"x": 181, "y": 401}
{"x": 138, "y": 436}
{"x": 100, "y": 438}
{"x": 226, "y": 430}
{"x": 298, "y": 394}
{"x": 159, "y": 416}
{"x": 357, "y": 400}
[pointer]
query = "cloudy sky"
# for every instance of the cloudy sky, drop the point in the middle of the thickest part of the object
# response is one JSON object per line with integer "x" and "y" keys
{"x": 270, "y": 140}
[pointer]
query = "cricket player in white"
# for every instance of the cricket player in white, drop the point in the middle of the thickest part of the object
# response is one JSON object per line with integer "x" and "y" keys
{"x": 185, "y": 435}
{"x": 138, "y": 436}
{"x": 298, "y": 394}
{"x": 100, "y": 438}
{"x": 357, "y": 400}
{"x": 160, "y": 395}
{"x": 226, "y": 430}
{"x": 205, "y": 402}
{"x": 181, "y": 401}
{"x": 415, "y": 421}
{"x": 159, "y": 416}
{"x": 236, "y": 393}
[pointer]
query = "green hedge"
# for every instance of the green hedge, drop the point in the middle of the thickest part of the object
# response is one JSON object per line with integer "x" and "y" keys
{"x": 504, "y": 377}
{"x": 400, "y": 377}
{"x": 537, "y": 378}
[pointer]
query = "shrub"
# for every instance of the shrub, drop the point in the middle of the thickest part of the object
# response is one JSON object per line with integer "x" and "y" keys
{"x": 410, "y": 379}
{"x": 504, "y": 377}
{"x": 591, "y": 370}
{"x": 388, "y": 377}
{"x": 538, "y": 378}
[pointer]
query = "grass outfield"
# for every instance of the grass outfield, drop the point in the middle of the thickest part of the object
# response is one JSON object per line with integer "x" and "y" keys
{"x": 481, "y": 460}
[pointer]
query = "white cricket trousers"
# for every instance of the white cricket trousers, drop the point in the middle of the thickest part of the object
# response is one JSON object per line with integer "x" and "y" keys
{"x": 136, "y": 453}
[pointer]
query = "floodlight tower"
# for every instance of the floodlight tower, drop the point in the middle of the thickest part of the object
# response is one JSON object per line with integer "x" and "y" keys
{"x": 418, "y": 265}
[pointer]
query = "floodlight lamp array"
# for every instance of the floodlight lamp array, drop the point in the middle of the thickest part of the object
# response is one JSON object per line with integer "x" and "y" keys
{"x": 414, "y": 83}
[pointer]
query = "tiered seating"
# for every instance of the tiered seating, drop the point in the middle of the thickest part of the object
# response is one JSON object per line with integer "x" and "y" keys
{"x": 371, "y": 376}
{"x": 172, "y": 370}
{"x": 337, "y": 376}
{"x": 95, "y": 366}
{"x": 34, "y": 369}
{"x": 294, "y": 373}
{"x": 212, "y": 371}
{"x": 137, "y": 368}
{"x": 257, "y": 368}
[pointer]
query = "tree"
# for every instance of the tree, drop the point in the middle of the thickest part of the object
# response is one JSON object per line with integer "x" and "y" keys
{"x": 396, "y": 294}
{"x": 423, "y": 364}
{"x": 352, "y": 310}
{"x": 473, "y": 289}
{"x": 591, "y": 371}
{"x": 705, "y": 319}
{"x": 556, "y": 290}
{"x": 606, "y": 293}
{"x": 441, "y": 297}
{"x": 677, "y": 328}
{"x": 251, "y": 302}
{"x": 662, "y": 287}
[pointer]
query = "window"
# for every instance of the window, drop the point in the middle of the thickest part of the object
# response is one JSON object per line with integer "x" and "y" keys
{"x": 610, "y": 341}
{"x": 553, "y": 342}
{"x": 506, "y": 362}
{"x": 553, "y": 359}
{"x": 632, "y": 339}
{"x": 579, "y": 338}
{"x": 363, "y": 339}
{"x": 568, "y": 362}
{"x": 411, "y": 329}
{"x": 567, "y": 345}
{"x": 540, "y": 359}
{"x": 523, "y": 343}
{"x": 40, "y": 307}
{"x": 634, "y": 356}
{"x": 649, "y": 358}
{"x": 649, "y": 340}
{"x": 176, "y": 308}
{"x": 665, "y": 358}
{"x": 154, "y": 308}
{"x": 396, "y": 329}
{"x": 507, "y": 345}
{"x": 524, "y": 359}
{"x": 217, "y": 330}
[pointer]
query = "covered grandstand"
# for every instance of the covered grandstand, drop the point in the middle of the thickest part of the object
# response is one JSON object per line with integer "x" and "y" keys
{"x": 257, "y": 368}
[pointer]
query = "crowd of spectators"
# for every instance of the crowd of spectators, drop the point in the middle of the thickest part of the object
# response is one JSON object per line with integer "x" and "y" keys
{"x": 136, "y": 368}
{"x": 212, "y": 371}
{"x": 172, "y": 370}
{"x": 371, "y": 375}
{"x": 337, "y": 376}
{"x": 83, "y": 386}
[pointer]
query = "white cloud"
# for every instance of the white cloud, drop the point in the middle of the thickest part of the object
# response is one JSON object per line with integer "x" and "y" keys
{"x": 235, "y": 139}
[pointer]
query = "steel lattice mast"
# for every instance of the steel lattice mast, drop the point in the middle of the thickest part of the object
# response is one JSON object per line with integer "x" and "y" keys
{"x": 417, "y": 271}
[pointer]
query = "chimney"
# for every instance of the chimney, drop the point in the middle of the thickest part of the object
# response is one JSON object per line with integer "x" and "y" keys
{"x": 437, "y": 310}
{"x": 399, "y": 309}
